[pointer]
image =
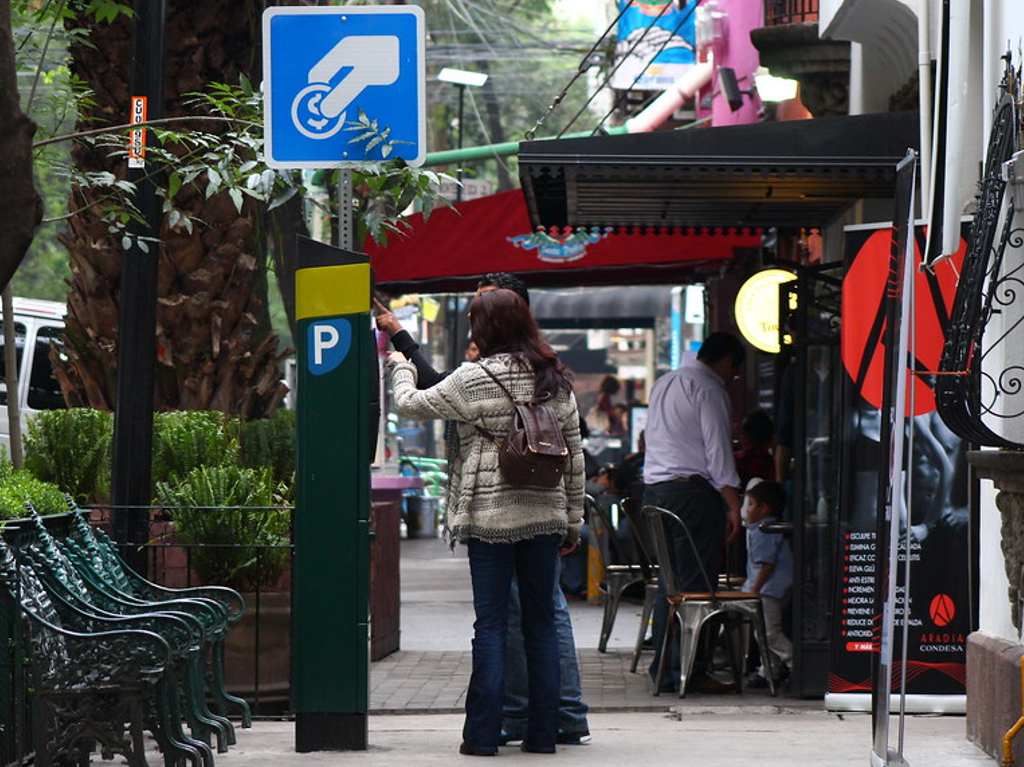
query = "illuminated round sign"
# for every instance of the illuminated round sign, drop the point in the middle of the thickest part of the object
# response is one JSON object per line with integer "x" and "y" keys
{"x": 757, "y": 309}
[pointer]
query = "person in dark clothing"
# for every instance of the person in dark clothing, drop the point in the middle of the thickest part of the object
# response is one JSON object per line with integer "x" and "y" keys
{"x": 573, "y": 727}
{"x": 404, "y": 343}
{"x": 631, "y": 470}
{"x": 754, "y": 458}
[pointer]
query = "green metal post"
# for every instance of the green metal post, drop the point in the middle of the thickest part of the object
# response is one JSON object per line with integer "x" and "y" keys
{"x": 330, "y": 613}
{"x": 504, "y": 149}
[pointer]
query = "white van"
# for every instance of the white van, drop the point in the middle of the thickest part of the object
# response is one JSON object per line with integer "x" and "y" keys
{"x": 37, "y": 325}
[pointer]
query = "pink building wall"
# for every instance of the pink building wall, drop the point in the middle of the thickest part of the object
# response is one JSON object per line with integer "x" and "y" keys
{"x": 740, "y": 54}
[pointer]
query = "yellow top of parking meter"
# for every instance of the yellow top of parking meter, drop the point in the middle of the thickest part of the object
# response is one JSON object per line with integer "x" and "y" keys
{"x": 329, "y": 291}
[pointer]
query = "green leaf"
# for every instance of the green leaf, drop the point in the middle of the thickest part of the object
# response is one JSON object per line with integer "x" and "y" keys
{"x": 213, "y": 182}
{"x": 363, "y": 137}
{"x": 237, "y": 198}
{"x": 386, "y": 150}
{"x": 173, "y": 184}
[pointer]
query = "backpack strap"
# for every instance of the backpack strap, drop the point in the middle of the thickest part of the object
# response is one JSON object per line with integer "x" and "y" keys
{"x": 501, "y": 386}
{"x": 486, "y": 433}
{"x": 532, "y": 401}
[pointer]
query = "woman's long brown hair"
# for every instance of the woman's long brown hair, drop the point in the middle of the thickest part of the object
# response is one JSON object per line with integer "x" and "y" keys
{"x": 501, "y": 323}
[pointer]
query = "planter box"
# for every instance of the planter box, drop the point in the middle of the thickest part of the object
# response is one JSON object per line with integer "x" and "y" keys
{"x": 264, "y": 654}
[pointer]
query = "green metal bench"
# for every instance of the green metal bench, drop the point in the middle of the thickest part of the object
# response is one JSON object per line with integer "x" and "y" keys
{"x": 84, "y": 603}
{"x": 88, "y": 688}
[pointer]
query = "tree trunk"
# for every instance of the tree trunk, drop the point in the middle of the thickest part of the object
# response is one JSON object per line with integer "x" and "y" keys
{"x": 214, "y": 347}
{"x": 20, "y": 207}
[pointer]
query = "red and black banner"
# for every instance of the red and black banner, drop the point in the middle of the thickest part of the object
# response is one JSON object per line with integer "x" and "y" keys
{"x": 939, "y": 604}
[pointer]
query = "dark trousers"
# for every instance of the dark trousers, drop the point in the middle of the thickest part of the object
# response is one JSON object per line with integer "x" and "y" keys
{"x": 493, "y": 565}
{"x": 702, "y": 509}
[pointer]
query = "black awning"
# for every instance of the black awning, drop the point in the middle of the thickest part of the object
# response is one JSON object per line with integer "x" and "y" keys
{"x": 618, "y": 307}
{"x": 788, "y": 174}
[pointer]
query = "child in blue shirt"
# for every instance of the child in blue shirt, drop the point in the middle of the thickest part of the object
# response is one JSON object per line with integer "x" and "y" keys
{"x": 769, "y": 572}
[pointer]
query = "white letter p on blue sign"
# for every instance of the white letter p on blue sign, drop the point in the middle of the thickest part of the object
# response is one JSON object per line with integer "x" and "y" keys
{"x": 327, "y": 345}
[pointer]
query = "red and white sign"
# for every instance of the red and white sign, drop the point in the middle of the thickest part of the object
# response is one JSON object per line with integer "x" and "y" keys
{"x": 137, "y": 136}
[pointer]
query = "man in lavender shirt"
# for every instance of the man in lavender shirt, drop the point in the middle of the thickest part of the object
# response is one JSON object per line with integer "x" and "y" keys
{"x": 690, "y": 470}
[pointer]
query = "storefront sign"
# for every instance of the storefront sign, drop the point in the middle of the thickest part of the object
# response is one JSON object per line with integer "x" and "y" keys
{"x": 938, "y": 604}
{"x": 666, "y": 22}
{"x": 757, "y": 309}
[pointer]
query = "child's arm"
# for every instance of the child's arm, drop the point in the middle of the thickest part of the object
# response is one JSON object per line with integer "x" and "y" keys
{"x": 767, "y": 568}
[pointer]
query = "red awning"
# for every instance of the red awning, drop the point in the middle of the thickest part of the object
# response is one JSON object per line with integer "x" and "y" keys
{"x": 493, "y": 234}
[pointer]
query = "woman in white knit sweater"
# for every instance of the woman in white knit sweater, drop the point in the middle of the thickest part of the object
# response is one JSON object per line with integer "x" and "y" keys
{"x": 510, "y": 530}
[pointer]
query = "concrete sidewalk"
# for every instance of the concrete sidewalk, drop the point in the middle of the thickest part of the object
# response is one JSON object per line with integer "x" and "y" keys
{"x": 718, "y": 739}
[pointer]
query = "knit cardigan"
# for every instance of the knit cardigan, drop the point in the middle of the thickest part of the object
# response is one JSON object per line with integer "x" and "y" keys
{"x": 481, "y": 504}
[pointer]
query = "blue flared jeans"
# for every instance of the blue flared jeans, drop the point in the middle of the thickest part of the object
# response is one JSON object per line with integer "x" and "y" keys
{"x": 572, "y": 711}
{"x": 534, "y": 565}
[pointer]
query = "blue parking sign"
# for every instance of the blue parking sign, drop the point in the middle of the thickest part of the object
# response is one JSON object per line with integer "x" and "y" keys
{"x": 344, "y": 84}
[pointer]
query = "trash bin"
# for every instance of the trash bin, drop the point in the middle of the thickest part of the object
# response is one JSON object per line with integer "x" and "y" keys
{"x": 421, "y": 516}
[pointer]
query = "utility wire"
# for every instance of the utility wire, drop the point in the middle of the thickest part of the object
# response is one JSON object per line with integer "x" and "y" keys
{"x": 617, "y": 102}
{"x": 476, "y": 111}
{"x": 582, "y": 68}
{"x": 615, "y": 69}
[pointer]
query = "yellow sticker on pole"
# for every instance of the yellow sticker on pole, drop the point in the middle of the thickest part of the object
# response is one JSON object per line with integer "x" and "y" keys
{"x": 137, "y": 136}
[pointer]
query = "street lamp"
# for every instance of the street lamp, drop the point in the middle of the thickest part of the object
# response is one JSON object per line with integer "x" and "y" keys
{"x": 774, "y": 89}
{"x": 461, "y": 79}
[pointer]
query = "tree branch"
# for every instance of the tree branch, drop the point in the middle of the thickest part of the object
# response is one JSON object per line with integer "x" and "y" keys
{"x": 129, "y": 126}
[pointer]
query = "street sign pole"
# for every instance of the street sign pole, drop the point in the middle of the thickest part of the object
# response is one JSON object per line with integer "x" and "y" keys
{"x": 331, "y": 595}
{"x": 346, "y": 224}
{"x": 343, "y": 86}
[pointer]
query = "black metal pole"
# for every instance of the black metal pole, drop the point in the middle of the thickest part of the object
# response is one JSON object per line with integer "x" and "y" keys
{"x": 462, "y": 98}
{"x": 133, "y": 421}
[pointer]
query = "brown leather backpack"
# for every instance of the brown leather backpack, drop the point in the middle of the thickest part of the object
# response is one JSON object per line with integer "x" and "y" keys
{"x": 533, "y": 453}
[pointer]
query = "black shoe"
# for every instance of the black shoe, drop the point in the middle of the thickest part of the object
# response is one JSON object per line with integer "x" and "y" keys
{"x": 467, "y": 750}
{"x": 509, "y": 739}
{"x": 573, "y": 738}
{"x": 528, "y": 749}
{"x": 756, "y": 682}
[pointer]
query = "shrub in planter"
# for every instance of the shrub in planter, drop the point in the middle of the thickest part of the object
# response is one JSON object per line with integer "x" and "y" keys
{"x": 184, "y": 440}
{"x": 195, "y": 502}
{"x": 19, "y": 486}
{"x": 270, "y": 443}
{"x": 71, "y": 449}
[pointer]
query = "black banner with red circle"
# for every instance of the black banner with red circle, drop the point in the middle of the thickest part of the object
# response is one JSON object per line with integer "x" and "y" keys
{"x": 939, "y": 600}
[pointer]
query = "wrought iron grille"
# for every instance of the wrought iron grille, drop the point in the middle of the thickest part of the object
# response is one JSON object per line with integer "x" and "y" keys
{"x": 779, "y": 12}
{"x": 968, "y": 396}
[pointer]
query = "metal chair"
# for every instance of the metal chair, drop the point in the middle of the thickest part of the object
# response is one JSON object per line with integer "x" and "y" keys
{"x": 617, "y": 577}
{"x": 693, "y": 610}
{"x": 644, "y": 545}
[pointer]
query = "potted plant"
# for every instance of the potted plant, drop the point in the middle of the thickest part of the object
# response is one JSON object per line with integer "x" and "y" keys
{"x": 225, "y": 517}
